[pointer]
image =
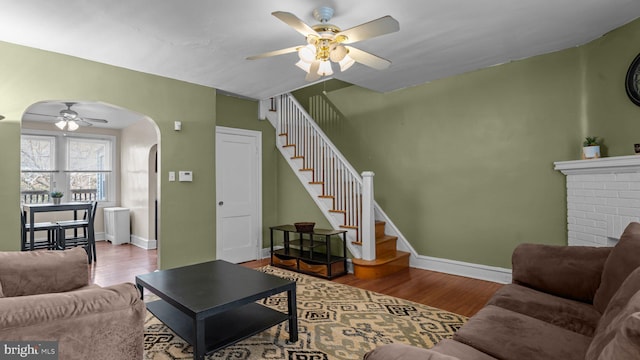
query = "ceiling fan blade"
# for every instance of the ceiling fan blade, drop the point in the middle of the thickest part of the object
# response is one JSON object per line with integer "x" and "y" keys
{"x": 38, "y": 114}
{"x": 368, "y": 59}
{"x": 102, "y": 121}
{"x": 274, "y": 53}
{"x": 293, "y": 21}
{"x": 368, "y": 30}
{"x": 83, "y": 121}
{"x": 313, "y": 75}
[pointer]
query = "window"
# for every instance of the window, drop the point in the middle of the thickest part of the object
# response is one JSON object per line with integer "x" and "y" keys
{"x": 79, "y": 166}
{"x": 88, "y": 168}
{"x": 38, "y": 165}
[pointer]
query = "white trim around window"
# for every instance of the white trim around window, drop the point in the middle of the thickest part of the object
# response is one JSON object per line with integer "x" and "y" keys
{"x": 60, "y": 182}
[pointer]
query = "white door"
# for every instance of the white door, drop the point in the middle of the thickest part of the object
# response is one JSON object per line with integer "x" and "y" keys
{"x": 238, "y": 194}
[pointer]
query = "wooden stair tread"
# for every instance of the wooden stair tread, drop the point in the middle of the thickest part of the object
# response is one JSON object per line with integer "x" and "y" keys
{"x": 381, "y": 261}
{"x": 316, "y": 182}
{"x": 326, "y": 196}
{"x": 338, "y": 211}
{"x": 385, "y": 238}
{"x": 297, "y": 157}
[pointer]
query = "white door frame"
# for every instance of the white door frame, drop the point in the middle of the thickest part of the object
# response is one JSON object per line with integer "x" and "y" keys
{"x": 258, "y": 137}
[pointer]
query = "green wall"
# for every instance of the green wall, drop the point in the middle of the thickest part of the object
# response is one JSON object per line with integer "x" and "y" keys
{"x": 464, "y": 165}
{"x": 187, "y": 210}
{"x": 612, "y": 115}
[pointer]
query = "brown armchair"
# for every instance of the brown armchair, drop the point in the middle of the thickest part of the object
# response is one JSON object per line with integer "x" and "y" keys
{"x": 46, "y": 296}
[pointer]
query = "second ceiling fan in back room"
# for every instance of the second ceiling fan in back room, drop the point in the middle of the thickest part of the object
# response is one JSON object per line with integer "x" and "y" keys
{"x": 327, "y": 43}
{"x": 69, "y": 119}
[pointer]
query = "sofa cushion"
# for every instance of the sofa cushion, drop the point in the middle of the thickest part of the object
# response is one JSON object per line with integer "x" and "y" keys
{"x": 620, "y": 300}
{"x": 42, "y": 272}
{"x": 92, "y": 323}
{"x": 618, "y": 319}
{"x": 460, "y": 350}
{"x": 572, "y": 272}
{"x": 624, "y": 258}
{"x": 626, "y": 343}
{"x": 508, "y": 335}
{"x": 569, "y": 314}
{"x": 404, "y": 352}
{"x": 31, "y": 310}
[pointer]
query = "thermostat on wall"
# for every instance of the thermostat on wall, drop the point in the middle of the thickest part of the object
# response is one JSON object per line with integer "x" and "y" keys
{"x": 185, "y": 176}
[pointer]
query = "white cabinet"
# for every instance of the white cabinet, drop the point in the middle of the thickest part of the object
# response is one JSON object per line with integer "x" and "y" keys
{"x": 116, "y": 225}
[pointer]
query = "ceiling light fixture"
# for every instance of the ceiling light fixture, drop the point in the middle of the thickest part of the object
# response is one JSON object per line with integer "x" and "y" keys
{"x": 70, "y": 125}
{"x": 323, "y": 48}
{"x": 327, "y": 44}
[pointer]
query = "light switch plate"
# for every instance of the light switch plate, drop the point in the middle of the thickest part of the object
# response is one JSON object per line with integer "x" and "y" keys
{"x": 172, "y": 176}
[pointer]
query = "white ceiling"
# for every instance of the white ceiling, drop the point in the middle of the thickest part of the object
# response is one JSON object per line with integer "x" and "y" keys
{"x": 206, "y": 42}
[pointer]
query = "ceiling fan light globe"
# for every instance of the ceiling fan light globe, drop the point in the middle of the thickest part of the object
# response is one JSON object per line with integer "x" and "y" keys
{"x": 61, "y": 124}
{"x": 307, "y": 53}
{"x": 72, "y": 125}
{"x": 304, "y": 66}
{"x": 325, "y": 69}
{"x": 338, "y": 53}
{"x": 346, "y": 63}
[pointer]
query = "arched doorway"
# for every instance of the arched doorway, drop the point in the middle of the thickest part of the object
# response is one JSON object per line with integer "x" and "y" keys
{"x": 133, "y": 175}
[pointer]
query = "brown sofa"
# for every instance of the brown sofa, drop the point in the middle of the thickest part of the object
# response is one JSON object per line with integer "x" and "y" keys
{"x": 46, "y": 296}
{"x": 565, "y": 303}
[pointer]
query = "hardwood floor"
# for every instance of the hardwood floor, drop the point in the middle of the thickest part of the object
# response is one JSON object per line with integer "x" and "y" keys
{"x": 121, "y": 263}
{"x": 461, "y": 295}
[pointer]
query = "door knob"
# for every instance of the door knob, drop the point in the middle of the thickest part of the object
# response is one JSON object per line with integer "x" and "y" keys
{"x": 221, "y": 203}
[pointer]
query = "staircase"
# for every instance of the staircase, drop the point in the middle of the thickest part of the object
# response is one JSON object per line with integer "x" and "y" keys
{"x": 343, "y": 196}
{"x": 388, "y": 258}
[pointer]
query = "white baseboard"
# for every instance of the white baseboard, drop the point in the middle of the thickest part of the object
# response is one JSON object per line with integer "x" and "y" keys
{"x": 141, "y": 242}
{"x": 452, "y": 267}
{"x": 266, "y": 252}
{"x": 461, "y": 268}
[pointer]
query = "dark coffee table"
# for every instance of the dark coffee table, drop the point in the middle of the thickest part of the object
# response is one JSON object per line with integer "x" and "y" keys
{"x": 212, "y": 305}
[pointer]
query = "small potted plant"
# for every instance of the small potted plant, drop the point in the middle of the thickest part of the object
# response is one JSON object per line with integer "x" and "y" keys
{"x": 591, "y": 148}
{"x": 56, "y": 196}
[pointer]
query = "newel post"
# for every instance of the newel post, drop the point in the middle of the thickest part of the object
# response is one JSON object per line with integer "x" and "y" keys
{"x": 368, "y": 218}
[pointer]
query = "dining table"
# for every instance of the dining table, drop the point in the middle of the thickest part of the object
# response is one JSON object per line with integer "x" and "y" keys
{"x": 77, "y": 206}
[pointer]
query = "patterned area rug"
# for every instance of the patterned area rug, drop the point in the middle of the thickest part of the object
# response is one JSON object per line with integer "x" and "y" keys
{"x": 335, "y": 321}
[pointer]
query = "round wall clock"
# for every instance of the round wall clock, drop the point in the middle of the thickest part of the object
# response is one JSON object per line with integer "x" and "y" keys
{"x": 632, "y": 82}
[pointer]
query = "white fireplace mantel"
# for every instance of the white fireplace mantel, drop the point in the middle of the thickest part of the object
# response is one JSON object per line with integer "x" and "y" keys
{"x": 603, "y": 197}
{"x": 606, "y": 165}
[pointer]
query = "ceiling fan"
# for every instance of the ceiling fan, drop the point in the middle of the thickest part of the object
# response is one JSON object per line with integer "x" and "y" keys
{"x": 326, "y": 43}
{"x": 70, "y": 119}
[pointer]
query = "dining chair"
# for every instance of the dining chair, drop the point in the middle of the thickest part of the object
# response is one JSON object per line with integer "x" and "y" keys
{"x": 88, "y": 237}
{"x": 50, "y": 227}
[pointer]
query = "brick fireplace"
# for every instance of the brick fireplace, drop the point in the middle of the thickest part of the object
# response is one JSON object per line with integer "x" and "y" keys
{"x": 603, "y": 197}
